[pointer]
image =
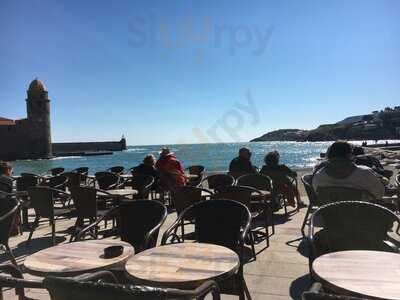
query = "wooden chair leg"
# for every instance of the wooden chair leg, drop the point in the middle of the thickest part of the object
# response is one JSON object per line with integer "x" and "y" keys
{"x": 183, "y": 230}
{"x": 305, "y": 221}
{"x": 272, "y": 220}
{"x": 252, "y": 242}
{"x": 246, "y": 290}
{"x": 11, "y": 255}
{"x": 266, "y": 228}
{"x": 33, "y": 227}
{"x": 53, "y": 231}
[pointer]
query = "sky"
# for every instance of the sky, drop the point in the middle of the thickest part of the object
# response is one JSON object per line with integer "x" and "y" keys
{"x": 184, "y": 71}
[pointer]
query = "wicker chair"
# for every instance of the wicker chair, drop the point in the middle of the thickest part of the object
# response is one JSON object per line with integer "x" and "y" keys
{"x": 59, "y": 183}
{"x": 244, "y": 195}
{"x": 16, "y": 281}
{"x": 56, "y": 182}
{"x": 326, "y": 195}
{"x": 24, "y": 183}
{"x": 116, "y": 170}
{"x": 352, "y": 225}
{"x": 218, "y": 182}
{"x": 84, "y": 172}
{"x": 317, "y": 293}
{"x": 182, "y": 198}
{"x": 209, "y": 228}
{"x": 199, "y": 172}
{"x": 103, "y": 286}
{"x": 307, "y": 182}
{"x": 141, "y": 183}
{"x": 108, "y": 180}
{"x": 86, "y": 205}
{"x": 42, "y": 201}
{"x": 74, "y": 179}
{"x": 9, "y": 208}
{"x": 262, "y": 183}
{"x": 56, "y": 171}
{"x": 138, "y": 224}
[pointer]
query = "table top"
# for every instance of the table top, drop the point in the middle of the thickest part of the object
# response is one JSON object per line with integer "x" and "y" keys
{"x": 371, "y": 274}
{"x": 120, "y": 192}
{"x": 182, "y": 265}
{"x": 76, "y": 258}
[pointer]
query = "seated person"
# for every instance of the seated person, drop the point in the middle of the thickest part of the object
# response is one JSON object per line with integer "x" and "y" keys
{"x": 360, "y": 158}
{"x": 147, "y": 167}
{"x": 168, "y": 164}
{"x": 282, "y": 177}
{"x": 6, "y": 187}
{"x": 242, "y": 165}
{"x": 6, "y": 182}
{"x": 339, "y": 170}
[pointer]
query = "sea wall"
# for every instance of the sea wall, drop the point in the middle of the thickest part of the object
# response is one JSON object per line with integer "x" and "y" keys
{"x": 60, "y": 149}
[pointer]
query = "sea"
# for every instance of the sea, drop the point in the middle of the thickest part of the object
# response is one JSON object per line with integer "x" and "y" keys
{"x": 214, "y": 157}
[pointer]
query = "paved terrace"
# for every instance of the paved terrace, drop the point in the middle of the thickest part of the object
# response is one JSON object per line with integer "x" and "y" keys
{"x": 280, "y": 271}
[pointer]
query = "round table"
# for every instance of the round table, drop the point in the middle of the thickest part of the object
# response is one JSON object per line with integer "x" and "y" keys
{"x": 76, "y": 258}
{"x": 182, "y": 265}
{"x": 370, "y": 274}
{"x": 118, "y": 194}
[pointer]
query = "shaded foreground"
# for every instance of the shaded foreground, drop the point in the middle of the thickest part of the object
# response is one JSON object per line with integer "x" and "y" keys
{"x": 280, "y": 271}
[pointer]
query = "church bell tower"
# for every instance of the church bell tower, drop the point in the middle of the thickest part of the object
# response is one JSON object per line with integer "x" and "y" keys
{"x": 38, "y": 109}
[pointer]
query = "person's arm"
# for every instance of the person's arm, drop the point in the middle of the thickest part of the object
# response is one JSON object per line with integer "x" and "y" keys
{"x": 289, "y": 172}
{"x": 372, "y": 183}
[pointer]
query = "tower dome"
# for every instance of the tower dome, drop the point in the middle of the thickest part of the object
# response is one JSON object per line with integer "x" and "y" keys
{"x": 37, "y": 86}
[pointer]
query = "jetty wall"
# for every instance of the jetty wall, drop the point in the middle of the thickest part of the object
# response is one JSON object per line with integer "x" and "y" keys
{"x": 60, "y": 149}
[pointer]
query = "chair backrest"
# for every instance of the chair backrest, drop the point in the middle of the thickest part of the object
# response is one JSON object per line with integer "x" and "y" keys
{"x": 353, "y": 225}
{"x": 74, "y": 179}
{"x": 8, "y": 211}
{"x": 76, "y": 289}
{"x": 106, "y": 180}
{"x": 82, "y": 170}
{"x": 41, "y": 198}
{"x": 238, "y": 193}
{"x": 332, "y": 194}
{"x": 218, "y": 182}
{"x": 196, "y": 170}
{"x": 137, "y": 219}
{"x": 56, "y": 171}
{"x": 141, "y": 183}
{"x": 85, "y": 201}
{"x": 219, "y": 222}
{"x": 27, "y": 181}
{"x": 185, "y": 196}
{"x": 307, "y": 182}
{"x": 167, "y": 181}
{"x": 56, "y": 182}
{"x": 257, "y": 181}
{"x": 116, "y": 170}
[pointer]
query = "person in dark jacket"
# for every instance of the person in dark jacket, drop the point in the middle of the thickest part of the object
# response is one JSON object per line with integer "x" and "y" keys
{"x": 242, "y": 165}
{"x": 283, "y": 178}
{"x": 147, "y": 167}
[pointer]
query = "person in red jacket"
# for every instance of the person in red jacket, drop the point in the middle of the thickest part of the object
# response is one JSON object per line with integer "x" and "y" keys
{"x": 168, "y": 163}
